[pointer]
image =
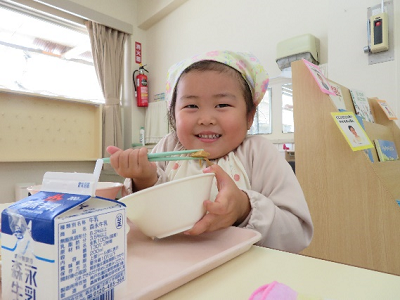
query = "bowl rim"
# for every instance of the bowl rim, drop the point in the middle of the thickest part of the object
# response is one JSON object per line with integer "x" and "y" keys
{"x": 161, "y": 185}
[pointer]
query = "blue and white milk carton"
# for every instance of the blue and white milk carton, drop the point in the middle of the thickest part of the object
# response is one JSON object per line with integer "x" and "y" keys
{"x": 63, "y": 242}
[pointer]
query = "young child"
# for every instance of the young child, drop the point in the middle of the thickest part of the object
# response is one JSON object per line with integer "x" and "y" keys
{"x": 213, "y": 99}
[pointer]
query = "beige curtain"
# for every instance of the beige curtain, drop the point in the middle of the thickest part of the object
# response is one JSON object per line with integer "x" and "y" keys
{"x": 108, "y": 53}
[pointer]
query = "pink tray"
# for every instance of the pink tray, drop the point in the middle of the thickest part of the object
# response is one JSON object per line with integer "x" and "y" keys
{"x": 156, "y": 267}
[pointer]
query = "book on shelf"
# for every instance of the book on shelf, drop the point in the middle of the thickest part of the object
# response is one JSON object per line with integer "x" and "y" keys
{"x": 386, "y": 150}
{"x": 319, "y": 77}
{"x": 352, "y": 130}
{"x": 387, "y": 109}
{"x": 337, "y": 99}
{"x": 368, "y": 151}
{"x": 361, "y": 105}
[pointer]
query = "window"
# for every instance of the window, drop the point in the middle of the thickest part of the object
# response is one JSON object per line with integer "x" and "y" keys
{"x": 262, "y": 117}
{"x": 44, "y": 55}
{"x": 287, "y": 108}
{"x": 274, "y": 115}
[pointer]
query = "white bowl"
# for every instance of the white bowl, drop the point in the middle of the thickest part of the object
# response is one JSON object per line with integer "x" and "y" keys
{"x": 171, "y": 207}
{"x": 107, "y": 190}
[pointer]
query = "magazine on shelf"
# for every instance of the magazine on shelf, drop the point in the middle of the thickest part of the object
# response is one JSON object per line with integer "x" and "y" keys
{"x": 361, "y": 105}
{"x": 352, "y": 130}
{"x": 387, "y": 109}
{"x": 386, "y": 150}
{"x": 337, "y": 99}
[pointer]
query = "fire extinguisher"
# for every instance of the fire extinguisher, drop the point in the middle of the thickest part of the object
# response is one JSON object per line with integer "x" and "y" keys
{"x": 141, "y": 87}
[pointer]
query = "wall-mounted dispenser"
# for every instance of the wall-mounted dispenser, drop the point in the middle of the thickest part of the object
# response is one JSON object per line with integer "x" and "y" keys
{"x": 304, "y": 46}
{"x": 380, "y": 32}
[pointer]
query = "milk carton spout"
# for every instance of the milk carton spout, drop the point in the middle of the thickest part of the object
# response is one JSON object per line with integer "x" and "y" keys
{"x": 73, "y": 183}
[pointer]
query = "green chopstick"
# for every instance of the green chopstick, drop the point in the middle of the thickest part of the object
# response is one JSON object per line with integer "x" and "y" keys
{"x": 166, "y": 156}
{"x": 172, "y": 158}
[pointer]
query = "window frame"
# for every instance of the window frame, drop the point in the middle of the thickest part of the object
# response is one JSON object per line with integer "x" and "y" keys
{"x": 256, "y": 124}
{"x": 276, "y": 135}
{"x": 283, "y": 92}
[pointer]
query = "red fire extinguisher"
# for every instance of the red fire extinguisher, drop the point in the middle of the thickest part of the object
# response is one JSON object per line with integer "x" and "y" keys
{"x": 141, "y": 87}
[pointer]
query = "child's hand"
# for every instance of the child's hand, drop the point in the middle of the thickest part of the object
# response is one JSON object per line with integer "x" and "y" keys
{"x": 133, "y": 163}
{"x": 231, "y": 205}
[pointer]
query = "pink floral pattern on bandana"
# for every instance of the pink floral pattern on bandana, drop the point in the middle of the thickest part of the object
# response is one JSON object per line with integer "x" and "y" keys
{"x": 245, "y": 63}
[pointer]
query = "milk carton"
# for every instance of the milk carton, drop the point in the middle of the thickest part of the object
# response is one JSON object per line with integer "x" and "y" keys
{"x": 63, "y": 242}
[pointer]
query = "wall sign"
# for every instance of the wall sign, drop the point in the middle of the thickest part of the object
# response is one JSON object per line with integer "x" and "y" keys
{"x": 138, "y": 53}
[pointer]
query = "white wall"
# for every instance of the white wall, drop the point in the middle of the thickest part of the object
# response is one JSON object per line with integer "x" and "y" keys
{"x": 152, "y": 11}
{"x": 198, "y": 26}
{"x": 258, "y": 25}
{"x": 348, "y": 64}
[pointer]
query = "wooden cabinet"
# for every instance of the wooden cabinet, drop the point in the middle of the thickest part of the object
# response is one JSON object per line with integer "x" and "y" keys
{"x": 352, "y": 200}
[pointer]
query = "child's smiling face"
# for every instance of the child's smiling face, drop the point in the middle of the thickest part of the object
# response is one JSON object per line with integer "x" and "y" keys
{"x": 210, "y": 112}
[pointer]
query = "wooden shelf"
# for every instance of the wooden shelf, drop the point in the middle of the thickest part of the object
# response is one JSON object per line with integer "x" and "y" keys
{"x": 352, "y": 200}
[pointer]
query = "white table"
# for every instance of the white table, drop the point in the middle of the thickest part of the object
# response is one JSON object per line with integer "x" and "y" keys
{"x": 238, "y": 278}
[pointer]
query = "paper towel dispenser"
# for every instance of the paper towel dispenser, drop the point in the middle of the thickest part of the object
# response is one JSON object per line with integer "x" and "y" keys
{"x": 304, "y": 46}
